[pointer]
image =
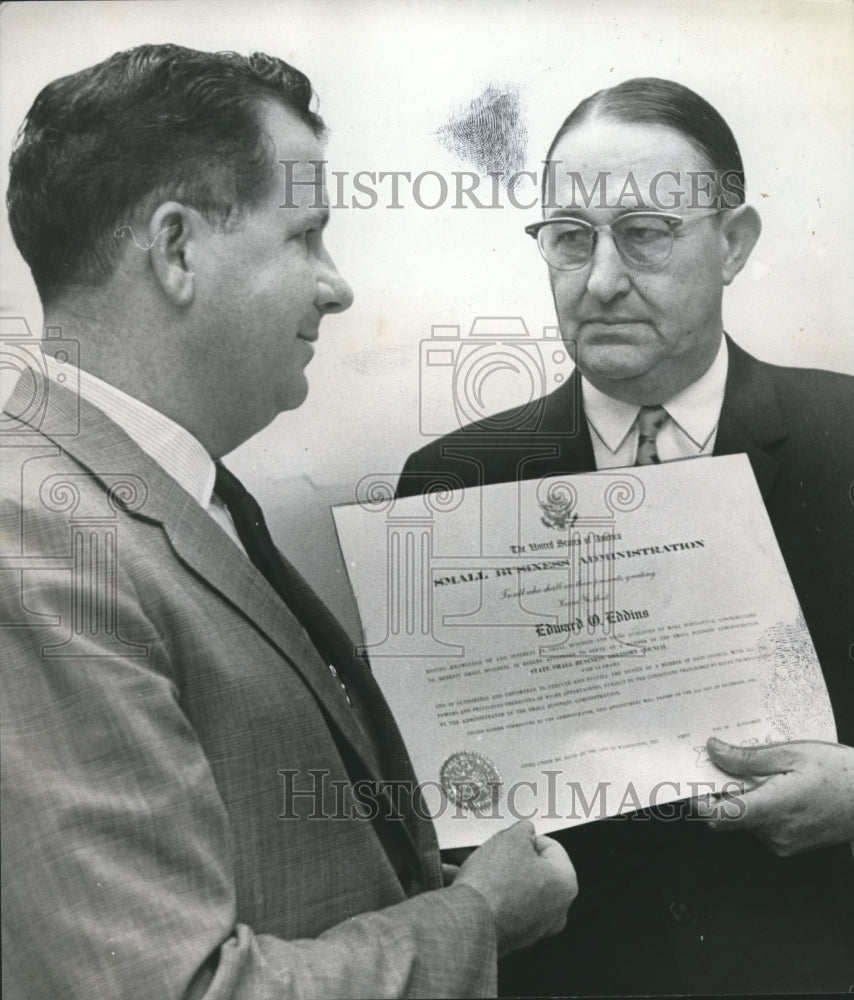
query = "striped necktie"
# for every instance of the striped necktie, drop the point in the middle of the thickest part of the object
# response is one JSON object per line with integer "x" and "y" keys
{"x": 650, "y": 421}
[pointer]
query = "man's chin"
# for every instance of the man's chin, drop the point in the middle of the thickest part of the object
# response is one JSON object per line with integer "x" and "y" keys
{"x": 612, "y": 361}
{"x": 293, "y": 395}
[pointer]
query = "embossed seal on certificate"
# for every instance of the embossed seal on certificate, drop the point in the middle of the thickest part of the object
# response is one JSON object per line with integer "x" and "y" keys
{"x": 470, "y": 780}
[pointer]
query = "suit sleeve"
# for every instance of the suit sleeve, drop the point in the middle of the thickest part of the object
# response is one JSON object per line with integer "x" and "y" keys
{"x": 118, "y": 854}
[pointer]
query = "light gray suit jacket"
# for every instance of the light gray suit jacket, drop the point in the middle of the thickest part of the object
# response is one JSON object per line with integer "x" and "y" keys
{"x": 154, "y": 689}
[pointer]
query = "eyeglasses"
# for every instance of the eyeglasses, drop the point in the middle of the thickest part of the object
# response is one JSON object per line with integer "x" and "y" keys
{"x": 644, "y": 239}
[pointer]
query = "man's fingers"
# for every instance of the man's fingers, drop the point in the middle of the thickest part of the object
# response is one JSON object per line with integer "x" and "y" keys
{"x": 775, "y": 758}
{"x": 521, "y": 831}
{"x": 456, "y": 856}
{"x": 550, "y": 850}
{"x": 706, "y": 805}
{"x": 527, "y": 881}
{"x": 543, "y": 844}
{"x": 805, "y": 801}
{"x": 449, "y": 873}
{"x": 558, "y": 926}
{"x": 727, "y": 815}
{"x": 523, "y": 828}
{"x": 737, "y": 809}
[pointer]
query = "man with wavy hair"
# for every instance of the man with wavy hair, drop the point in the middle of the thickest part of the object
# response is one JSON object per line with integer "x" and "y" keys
{"x": 204, "y": 793}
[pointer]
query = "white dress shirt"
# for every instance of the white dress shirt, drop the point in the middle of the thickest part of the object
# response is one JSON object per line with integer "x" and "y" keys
{"x": 176, "y": 451}
{"x": 689, "y": 433}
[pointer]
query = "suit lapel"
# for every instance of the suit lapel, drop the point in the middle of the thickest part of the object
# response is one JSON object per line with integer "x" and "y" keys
{"x": 103, "y": 449}
{"x": 554, "y": 441}
{"x": 564, "y": 421}
{"x": 750, "y": 419}
{"x": 212, "y": 555}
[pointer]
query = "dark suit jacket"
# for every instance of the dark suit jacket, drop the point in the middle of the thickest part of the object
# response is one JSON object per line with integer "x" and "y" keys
{"x": 670, "y": 906}
{"x": 154, "y": 689}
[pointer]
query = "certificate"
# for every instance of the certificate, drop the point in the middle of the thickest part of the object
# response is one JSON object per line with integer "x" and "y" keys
{"x": 561, "y": 649}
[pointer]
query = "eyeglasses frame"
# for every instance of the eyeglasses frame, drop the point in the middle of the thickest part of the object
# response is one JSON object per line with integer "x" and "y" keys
{"x": 533, "y": 229}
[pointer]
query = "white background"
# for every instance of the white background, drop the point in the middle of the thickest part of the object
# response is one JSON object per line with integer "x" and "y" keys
{"x": 389, "y": 74}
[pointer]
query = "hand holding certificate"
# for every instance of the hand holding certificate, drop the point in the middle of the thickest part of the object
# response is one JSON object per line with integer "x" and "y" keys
{"x": 561, "y": 649}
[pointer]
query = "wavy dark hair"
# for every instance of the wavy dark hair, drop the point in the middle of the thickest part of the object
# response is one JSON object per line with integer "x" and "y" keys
{"x": 154, "y": 120}
{"x": 653, "y": 101}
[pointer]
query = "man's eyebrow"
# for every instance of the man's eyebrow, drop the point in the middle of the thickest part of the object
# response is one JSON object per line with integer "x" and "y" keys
{"x": 559, "y": 212}
{"x": 584, "y": 214}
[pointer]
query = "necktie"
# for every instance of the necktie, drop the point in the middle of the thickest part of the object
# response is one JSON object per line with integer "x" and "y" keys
{"x": 321, "y": 625}
{"x": 388, "y": 754}
{"x": 650, "y": 421}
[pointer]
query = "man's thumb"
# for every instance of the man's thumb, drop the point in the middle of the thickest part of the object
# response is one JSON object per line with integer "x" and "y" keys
{"x": 755, "y": 761}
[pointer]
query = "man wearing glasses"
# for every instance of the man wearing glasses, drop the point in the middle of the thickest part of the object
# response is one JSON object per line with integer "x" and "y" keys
{"x": 644, "y": 224}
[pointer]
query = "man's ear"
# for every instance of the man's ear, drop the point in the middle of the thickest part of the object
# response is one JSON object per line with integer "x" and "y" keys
{"x": 740, "y": 229}
{"x": 171, "y": 230}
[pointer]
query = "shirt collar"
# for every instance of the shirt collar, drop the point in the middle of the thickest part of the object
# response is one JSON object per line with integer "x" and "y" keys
{"x": 612, "y": 419}
{"x": 174, "y": 449}
{"x": 696, "y": 409}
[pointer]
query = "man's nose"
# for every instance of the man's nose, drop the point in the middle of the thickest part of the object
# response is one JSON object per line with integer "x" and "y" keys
{"x": 334, "y": 294}
{"x": 608, "y": 277}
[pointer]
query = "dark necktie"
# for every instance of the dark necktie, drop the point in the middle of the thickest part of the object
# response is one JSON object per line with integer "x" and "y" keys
{"x": 650, "y": 421}
{"x": 321, "y": 625}
{"x": 389, "y": 756}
